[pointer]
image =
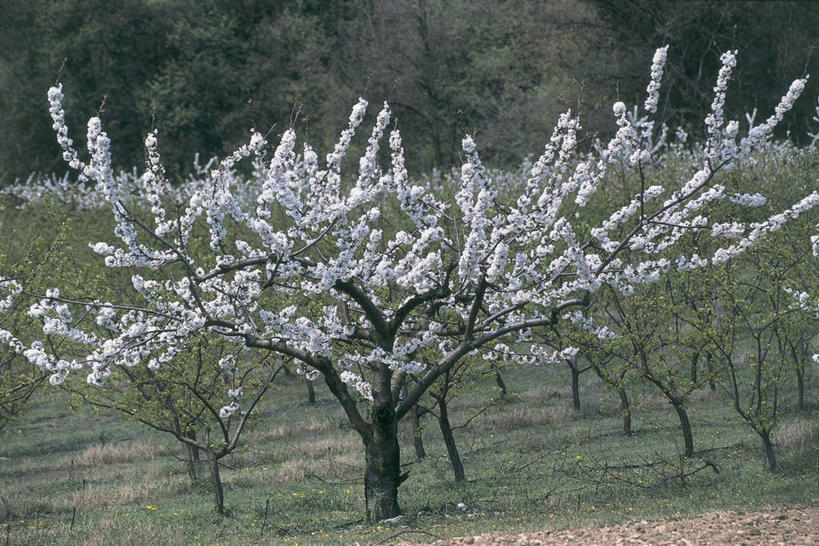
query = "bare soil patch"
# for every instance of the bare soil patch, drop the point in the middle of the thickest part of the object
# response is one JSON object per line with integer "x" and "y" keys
{"x": 791, "y": 526}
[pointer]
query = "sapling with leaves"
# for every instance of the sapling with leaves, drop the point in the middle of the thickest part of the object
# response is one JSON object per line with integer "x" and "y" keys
{"x": 594, "y": 346}
{"x": 178, "y": 398}
{"x": 440, "y": 397}
{"x": 19, "y": 380}
{"x": 759, "y": 308}
{"x": 451, "y": 277}
{"x": 657, "y": 344}
{"x": 571, "y": 358}
{"x": 797, "y": 333}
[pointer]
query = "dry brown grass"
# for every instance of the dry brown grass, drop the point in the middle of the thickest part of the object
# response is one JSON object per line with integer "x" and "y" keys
{"x": 544, "y": 392}
{"x": 120, "y": 453}
{"x": 133, "y": 493}
{"x": 525, "y": 417}
{"x": 326, "y": 446}
{"x": 797, "y": 435}
{"x": 292, "y": 471}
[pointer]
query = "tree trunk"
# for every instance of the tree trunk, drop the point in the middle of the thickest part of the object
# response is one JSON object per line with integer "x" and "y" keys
{"x": 501, "y": 385}
{"x": 216, "y": 484}
{"x": 575, "y": 387}
{"x": 382, "y": 475}
{"x": 800, "y": 384}
{"x": 694, "y": 360}
{"x": 625, "y": 408}
{"x": 710, "y": 367}
{"x": 775, "y": 401}
{"x": 417, "y": 439}
{"x": 449, "y": 441}
{"x": 194, "y": 450}
{"x": 311, "y": 393}
{"x": 191, "y": 454}
{"x": 686, "y": 428}
{"x": 765, "y": 434}
{"x": 189, "y": 462}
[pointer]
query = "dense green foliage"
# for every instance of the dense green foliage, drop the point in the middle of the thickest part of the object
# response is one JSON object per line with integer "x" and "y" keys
{"x": 205, "y": 72}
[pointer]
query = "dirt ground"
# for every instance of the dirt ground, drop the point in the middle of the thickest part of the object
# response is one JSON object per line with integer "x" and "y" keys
{"x": 792, "y": 526}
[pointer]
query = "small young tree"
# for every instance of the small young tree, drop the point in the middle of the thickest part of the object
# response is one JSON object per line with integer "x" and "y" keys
{"x": 18, "y": 379}
{"x": 178, "y": 398}
{"x": 448, "y": 387}
{"x": 387, "y": 267}
{"x": 760, "y": 300}
{"x": 595, "y": 343}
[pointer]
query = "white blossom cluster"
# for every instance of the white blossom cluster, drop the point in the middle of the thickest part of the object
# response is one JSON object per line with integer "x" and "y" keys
{"x": 587, "y": 323}
{"x": 351, "y": 274}
{"x": 653, "y": 90}
{"x": 815, "y": 136}
{"x": 9, "y": 288}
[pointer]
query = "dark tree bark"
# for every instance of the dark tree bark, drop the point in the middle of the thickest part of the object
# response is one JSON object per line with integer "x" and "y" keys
{"x": 694, "y": 361}
{"x": 382, "y": 474}
{"x": 501, "y": 385}
{"x": 194, "y": 449}
{"x": 189, "y": 461}
{"x": 800, "y": 384}
{"x": 685, "y": 424}
{"x": 382, "y": 477}
{"x": 625, "y": 408}
{"x": 710, "y": 367}
{"x": 216, "y": 484}
{"x": 417, "y": 438}
{"x": 449, "y": 440}
{"x": 770, "y": 454}
{"x": 311, "y": 393}
{"x": 576, "y": 371}
{"x": 575, "y": 388}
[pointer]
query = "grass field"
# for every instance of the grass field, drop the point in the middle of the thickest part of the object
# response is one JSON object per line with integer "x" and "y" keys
{"x": 88, "y": 477}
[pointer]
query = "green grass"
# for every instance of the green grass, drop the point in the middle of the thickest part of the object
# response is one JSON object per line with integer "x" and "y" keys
{"x": 531, "y": 463}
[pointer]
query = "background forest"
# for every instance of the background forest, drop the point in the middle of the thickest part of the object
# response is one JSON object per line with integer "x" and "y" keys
{"x": 204, "y": 72}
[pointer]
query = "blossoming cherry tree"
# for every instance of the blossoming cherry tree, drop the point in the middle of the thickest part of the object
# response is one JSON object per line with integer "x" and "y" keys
{"x": 375, "y": 283}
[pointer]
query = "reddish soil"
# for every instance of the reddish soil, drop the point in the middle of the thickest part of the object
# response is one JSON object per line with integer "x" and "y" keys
{"x": 789, "y": 527}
